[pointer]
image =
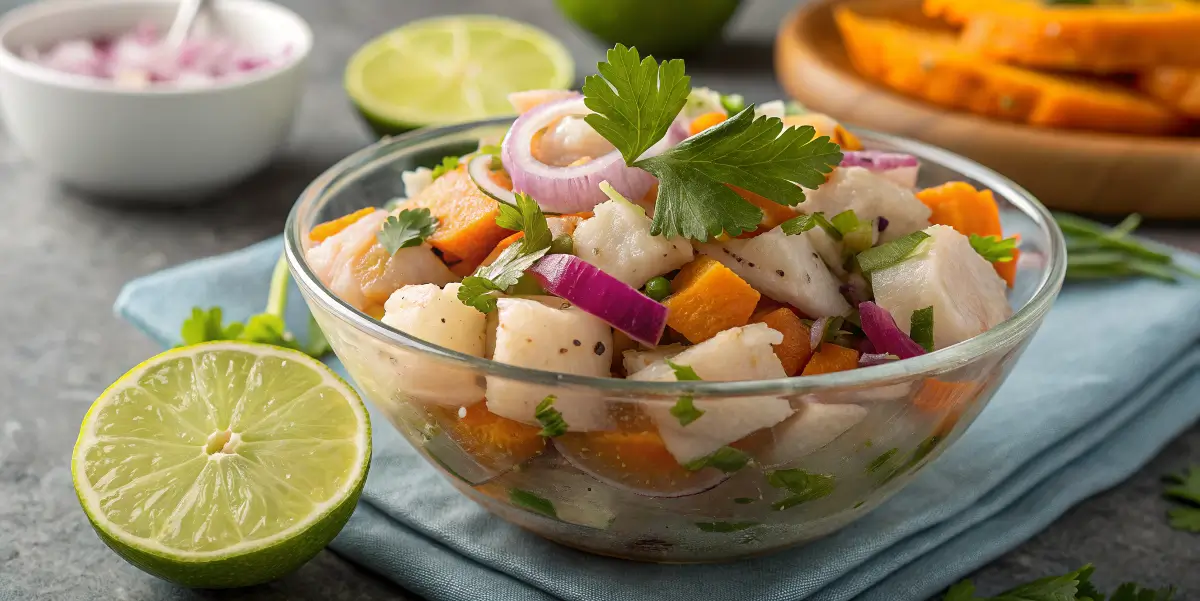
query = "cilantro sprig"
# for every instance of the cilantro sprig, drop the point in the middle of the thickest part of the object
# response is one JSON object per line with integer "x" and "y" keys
{"x": 550, "y": 418}
{"x": 1097, "y": 252}
{"x": 684, "y": 409}
{"x": 920, "y": 328}
{"x": 993, "y": 249}
{"x": 407, "y": 229}
{"x": 802, "y": 223}
{"x": 635, "y": 102}
{"x": 1185, "y": 490}
{"x": 268, "y": 327}
{"x": 481, "y": 288}
{"x": 804, "y": 486}
{"x": 1072, "y": 586}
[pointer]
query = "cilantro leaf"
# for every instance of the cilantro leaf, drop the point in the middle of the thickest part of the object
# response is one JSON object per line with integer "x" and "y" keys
{"x": 635, "y": 100}
{"x": 802, "y": 223}
{"x": 882, "y": 460}
{"x": 1052, "y": 588}
{"x": 204, "y": 326}
{"x": 683, "y": 373}
{"x": 1132, "y": 592}
{"x": 481, "y": 288}
{"x": 1185, "y": 518}
{"x": 804, "y": 486}
{"x": 726, "y": 459}
{"x": 407, "y": 229}
{"x": 685, "y": 411}
{"x": 993, "y": 249}
{"x": 964, "y": 590}
{"x": 920, "y": 328}
{"x": 1187, "y": 486}
{"x": 759, "y": 155}
{"x": 449, "y": 164}
{"x": 550, "y": 418}
{"x": 532, "y": 502}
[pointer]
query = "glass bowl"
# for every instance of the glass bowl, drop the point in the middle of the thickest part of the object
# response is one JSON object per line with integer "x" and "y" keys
{"x": 618, "y": 493}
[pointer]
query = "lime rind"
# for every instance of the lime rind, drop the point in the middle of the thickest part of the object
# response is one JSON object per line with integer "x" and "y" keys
{"x": 430, "y": 63}
{"x": 249, "y": 561}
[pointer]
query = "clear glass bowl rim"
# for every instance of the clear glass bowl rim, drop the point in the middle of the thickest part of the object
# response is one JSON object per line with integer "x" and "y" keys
{"x": 1003, "y": 335}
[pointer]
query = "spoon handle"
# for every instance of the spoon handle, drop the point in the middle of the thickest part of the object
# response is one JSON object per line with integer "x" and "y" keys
{"x": 185, "y": 17}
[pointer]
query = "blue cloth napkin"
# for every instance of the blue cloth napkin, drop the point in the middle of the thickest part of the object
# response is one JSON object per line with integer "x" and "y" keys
{"x": 1110, "y": 378}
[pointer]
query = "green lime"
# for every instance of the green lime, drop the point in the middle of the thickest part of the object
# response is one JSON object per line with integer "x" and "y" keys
{"x": 452, "y": 69}
{"x": 664, "y": 28}
{"x": 222, "y": 464}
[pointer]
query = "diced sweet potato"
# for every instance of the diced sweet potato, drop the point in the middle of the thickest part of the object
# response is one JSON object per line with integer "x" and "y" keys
{"x": 969, "y": 211}
{"x": 492, "y": 440}
{"x": 467, "y": 229}
{"x": 708, "y": 299}
{"x": 830, "y": 358}
{"x": 501, "y": 246}
{"x": 773, "y": 212}
{"x": 320, "y": 232}
{"x": 795, "y": 349}
{"x": 947, "y": 399}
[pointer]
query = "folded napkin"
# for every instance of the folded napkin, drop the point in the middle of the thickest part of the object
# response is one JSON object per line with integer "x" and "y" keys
{"x": 1110, "y": 378}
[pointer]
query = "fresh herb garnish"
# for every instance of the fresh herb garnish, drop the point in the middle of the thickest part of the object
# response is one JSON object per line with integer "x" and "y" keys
{"x": 685, "y": 411}
{"x": 407, "y": 229}
{"x": 1185, "y": 490}
{"x": 267, "y": 327}
{"x": 891, "y": 253}
{"x": 856, "y": 234}
{"x": 1072, "y": 586}
{"x": 448, "y": 164}
{"x": 683, "y": 373}
{"x": 802, "y": 223}
{"x": 725, "y": 526}
{"x": 635, "y": 101}
{"x": 1097, "y": 252}
{"x": 993, "y": 249}
{"x": 804, "y": 486}
{"x": 481, "y": 288}
{"x": 492, "y": 150}
{"x": 532, "y": 502}
{"x": 550, "y": 418}
{"x": 882, "y": 460}
{"x": 726, "y": 459}
{"x": 920, "y": 328}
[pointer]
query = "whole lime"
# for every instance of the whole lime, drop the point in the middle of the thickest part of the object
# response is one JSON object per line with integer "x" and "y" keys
{"x": 664, "y": 28}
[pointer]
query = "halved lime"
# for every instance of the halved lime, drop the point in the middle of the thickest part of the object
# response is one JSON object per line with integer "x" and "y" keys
{"x": 222, "y": 464}
{"x": 452, "y": 69}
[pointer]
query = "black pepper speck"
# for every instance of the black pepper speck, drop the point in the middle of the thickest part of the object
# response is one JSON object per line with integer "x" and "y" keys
{"x": 750, "y": 264}
{"x": 576, "y": 343}
{"x": 562, "y": 351}
{"x": 443, "y": 320}
{"x": 599, "y": 350}
{"x": 807, "y": 278}
{"x": 779, "y": 272}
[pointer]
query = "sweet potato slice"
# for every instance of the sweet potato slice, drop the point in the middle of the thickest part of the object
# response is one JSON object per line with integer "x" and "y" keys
{"x": 795, "y": 349}
{"x": 969, "y": 211}
{"x": 830, "y": 358}
{"x": 1099, "y": 38}
{"x": 320, "y": 232}
{"x": 708, "y": 298}
{"x": 467, "y": 229}
{"x": 932, "y": 66}
{"x": 1177, "y": 87}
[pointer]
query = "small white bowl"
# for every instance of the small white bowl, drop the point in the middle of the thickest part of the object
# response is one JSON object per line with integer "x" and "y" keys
{"x": 159, "y": 143}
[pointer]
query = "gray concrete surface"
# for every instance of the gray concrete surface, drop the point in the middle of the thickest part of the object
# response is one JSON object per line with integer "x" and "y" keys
{"x": 63, "y": 259}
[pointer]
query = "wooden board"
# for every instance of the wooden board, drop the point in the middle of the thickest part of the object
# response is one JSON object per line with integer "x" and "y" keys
{"x": 1070, "y": 170}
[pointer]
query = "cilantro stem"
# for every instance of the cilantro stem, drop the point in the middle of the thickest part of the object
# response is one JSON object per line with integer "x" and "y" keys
{"x": 278, "y": 292}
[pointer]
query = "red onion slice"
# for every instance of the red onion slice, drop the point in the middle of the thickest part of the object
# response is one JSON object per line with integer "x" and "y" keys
{"x": 869, "y": 359}
{"x": 571, "y": 189}
{"x": 625, "y": 461}
{"x": 883, "y": 332}
{"x": 602, "y": 295}
{"x": 897, "y": 167}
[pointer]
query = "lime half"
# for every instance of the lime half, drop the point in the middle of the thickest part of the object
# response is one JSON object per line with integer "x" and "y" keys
{"x": 222, "y": 464}
{"x": 452, "y": 69}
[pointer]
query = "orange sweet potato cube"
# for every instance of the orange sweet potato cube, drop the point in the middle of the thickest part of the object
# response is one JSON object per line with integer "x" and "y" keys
{"x": 830, "y": 358}
{"x": 467, "y": 229}
{"x": 795, "y": 349}
{"x": 708, "y": 298}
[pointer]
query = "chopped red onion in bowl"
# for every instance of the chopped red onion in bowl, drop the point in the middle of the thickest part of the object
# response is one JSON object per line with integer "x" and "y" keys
{"x": 139, "y": 58}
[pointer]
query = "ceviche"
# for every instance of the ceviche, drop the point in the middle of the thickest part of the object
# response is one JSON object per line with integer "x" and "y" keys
{"x": 646, "y": 230}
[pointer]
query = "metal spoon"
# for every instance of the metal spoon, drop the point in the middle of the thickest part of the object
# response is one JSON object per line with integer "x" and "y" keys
{"x": 185, "y": 18}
